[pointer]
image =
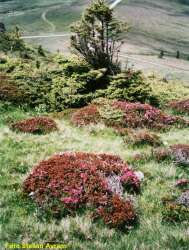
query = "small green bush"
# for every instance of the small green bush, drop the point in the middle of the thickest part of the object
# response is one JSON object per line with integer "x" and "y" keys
{"x": 67, "y": 93}
{"x": 76, "y": 90}
{"x": 74, "y": 66}
{"x": 131, "y": 86}
{"x": 10, "y": 41}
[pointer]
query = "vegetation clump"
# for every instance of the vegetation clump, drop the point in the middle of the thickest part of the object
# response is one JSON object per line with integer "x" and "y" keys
{"x": 9, "y": 91}
{"x": 11, "y": 42}
{"x": 142, "y": 137}
{"x": 36, "y": 125}
{"x": 128, "y": 115}
{"x": 130, "y": 85}
{"x": 181, "y": 154}
{"x": 182, "y": 183}
{"x": 86, "y": 115}
{"x": 180, "y": 106}
{"x": 174, "y": 211}
{"x": 145, "y": 115}
{"x": 176, "y": 207}
{"x": 162, "y": 154}
{"x": 71, "y": 181}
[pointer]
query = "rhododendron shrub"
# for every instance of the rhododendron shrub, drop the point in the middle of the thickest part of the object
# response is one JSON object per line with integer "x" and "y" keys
{"x": 161, "y": 154}
{"x": 180, "y": 106}
{"x": 144, "y": 115}
{"x": 118, "y": 213}
{"x": 82, "y": 180}
{"x": 86, "y": 115}
{"x": 182, "y": 183}
{"x": 126, "y": 115}
{"x": 36, "y": 125}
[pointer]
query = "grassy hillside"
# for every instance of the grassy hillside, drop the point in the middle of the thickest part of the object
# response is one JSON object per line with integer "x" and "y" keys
{"x": 157, "y": 25}
{"x": 22, "y": 220}
{"x": 50, "y": 88}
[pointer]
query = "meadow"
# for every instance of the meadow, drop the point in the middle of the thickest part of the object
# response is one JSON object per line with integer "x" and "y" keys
{"x": 21, "y": 219}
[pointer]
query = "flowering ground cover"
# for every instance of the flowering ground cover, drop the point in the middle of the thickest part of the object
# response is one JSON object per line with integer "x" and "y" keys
{"x": 23, "y": 219}
{"x": 36, "y": 125}
{"x": 134, "y": 115}
{"x": 82, "y": 180}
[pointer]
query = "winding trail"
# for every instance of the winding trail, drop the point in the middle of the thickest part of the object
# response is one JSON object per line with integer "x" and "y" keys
{"x": 49, "y": 23}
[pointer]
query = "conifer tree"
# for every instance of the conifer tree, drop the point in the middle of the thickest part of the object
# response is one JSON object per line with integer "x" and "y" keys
{"x": 98, "y": 37}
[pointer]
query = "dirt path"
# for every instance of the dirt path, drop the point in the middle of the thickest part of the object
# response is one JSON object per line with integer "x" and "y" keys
{"x": 49, "y": 23}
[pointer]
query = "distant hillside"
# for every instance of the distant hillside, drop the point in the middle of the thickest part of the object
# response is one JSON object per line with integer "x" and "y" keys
{"x": 162, "y": 24}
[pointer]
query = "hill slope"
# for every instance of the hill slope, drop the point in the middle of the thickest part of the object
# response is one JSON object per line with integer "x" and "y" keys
{"x": 156, "y": 24}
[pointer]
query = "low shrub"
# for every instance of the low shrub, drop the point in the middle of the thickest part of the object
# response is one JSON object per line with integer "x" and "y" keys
{"x": 183, "y": 199}
{"x": 112, "y": 117}
{"x": 73, "y": 65}
{"x": 180, "y": 153}
{"x": 36, "y": 125}
{"x": 140, "y": 158}
{"x": 180, "y": 106}
{"x": 145, "y": 115}
{"x": 117, "y": 213}
{"x": 142, "y": 137}
{"x": 87, "y": 115}
{"x": 130, "y": 85}
{"x": 182, "y": 183}
{"x": 174, "y": 212}
{"x": 122, "y": 114}
{"x": 73, "y": 181}
{"x": 11, "y": 42}
{"x": 161, "y": 154}
{"x": 32, "y": 84}
{"x": 176, "y": 207}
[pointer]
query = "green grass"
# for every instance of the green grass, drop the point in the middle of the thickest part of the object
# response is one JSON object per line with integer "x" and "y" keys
{"x": 22, "y": 221}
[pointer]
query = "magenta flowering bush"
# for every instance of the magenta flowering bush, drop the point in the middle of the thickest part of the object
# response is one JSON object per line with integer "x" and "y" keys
{"x": 130, "y": 180}
{"x": 70, "y": 181}
{"x": 144, "y": 115}
{"x": 123, "y": 114}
